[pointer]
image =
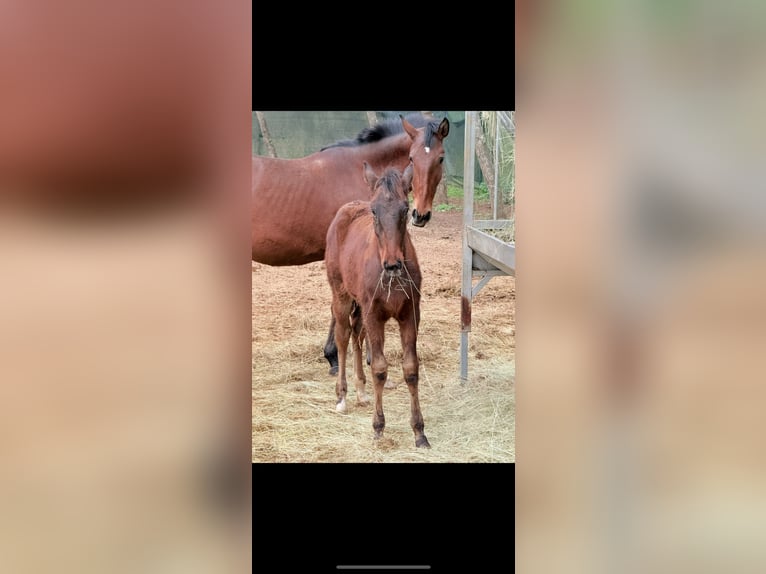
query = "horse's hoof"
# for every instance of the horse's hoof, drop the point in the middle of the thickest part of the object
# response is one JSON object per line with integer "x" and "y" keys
{"x": 389, "y": 384}
{"x": 341, "y": 406}
{"x": 362, "y": 399}
{"x": 333, "y": 370}
{"x": 422, "y": 442}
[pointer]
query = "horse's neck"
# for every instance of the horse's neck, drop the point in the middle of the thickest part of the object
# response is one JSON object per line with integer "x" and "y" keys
{"x": 390, "y": 151}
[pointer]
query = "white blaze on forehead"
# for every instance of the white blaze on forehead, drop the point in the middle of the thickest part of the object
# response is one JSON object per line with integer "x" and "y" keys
{"x": 428, "y": 149}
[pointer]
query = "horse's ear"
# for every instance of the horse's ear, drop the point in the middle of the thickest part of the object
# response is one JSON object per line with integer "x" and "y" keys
{"x": 370, "y": 176}
{"x": 409, "y": 128}
{"x": 407, "y": 178}
{"x": 443, "y": 130}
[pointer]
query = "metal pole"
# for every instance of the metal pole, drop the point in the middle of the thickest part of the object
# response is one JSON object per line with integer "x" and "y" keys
{"x": 467, "y": 279}
{"x": 497, "y": 152}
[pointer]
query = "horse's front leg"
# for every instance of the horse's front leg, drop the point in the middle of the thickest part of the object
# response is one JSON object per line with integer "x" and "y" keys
{"x": 408, "y": 331}
{"x": 389, "y": 383}
{"x": 379, "y": 368}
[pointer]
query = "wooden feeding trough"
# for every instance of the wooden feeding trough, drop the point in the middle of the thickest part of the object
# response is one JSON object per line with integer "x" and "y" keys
{"x": 484, "y": 254}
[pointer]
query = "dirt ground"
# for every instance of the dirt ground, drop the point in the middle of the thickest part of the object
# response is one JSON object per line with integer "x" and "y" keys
{"x": 294, "y": 418}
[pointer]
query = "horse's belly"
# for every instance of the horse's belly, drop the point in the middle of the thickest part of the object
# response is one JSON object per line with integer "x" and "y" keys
{"x": 276, "y": 252}
{"x": 280, "y": 242}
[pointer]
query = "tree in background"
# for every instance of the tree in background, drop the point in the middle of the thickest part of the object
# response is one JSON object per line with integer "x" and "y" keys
{"x": 266, "y": 135}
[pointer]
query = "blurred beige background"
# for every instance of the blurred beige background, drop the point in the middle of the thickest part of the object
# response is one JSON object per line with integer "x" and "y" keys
{"x": 124, "y": 169}
{"x": 640, "y": 287}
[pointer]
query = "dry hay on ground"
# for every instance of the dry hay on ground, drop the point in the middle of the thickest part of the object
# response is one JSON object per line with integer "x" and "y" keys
{"x": 294, "y": 418}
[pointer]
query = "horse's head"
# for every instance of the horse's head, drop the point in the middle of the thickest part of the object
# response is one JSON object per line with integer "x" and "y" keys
{"x": 427, "y": 157}
{"x": 389, "y": 208}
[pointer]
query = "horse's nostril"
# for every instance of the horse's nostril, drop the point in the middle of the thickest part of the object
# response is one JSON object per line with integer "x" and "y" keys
{"x": 419, "y": 217}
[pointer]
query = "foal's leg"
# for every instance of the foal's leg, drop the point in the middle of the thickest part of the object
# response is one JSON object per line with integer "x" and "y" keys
{"x": 331, "y": 349}
{"x": 379, "y": 368}
{"x": 409, "y": 333}
{"x": 342, "y": 332}
{"x": 358, "y": 335}
{"x": 389, "y": 383}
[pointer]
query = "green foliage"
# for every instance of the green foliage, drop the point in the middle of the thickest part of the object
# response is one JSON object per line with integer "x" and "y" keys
{"x": 480, "y": 191}
{"x": 455, "y": 191}
{"x": 446, "y": 207}
{"x": 488, "y": 122}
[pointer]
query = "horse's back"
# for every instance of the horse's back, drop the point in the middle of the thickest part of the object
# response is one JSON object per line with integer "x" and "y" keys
{"x": 348, "y": 213}
{"x": 269, "y": 172}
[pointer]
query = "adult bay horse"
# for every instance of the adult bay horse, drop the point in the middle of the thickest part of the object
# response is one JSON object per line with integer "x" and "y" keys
{"x": 294, "y": 200}
{"x": 374, "y": 275}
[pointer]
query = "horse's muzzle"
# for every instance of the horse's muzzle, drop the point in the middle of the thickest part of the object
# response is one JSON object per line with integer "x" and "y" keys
{"x": 396, "y": 266}
{"x": 420, "y": 220}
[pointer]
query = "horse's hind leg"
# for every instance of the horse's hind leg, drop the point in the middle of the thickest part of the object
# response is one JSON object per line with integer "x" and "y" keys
{"x": 331, "y": 349}
{"x": 358, "y": 335}
{"x": 342, "y": 332}
{"x": 410, "y": 366}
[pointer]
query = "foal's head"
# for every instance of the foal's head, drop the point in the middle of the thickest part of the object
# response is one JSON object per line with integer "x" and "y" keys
{"x": 389, "y": 208}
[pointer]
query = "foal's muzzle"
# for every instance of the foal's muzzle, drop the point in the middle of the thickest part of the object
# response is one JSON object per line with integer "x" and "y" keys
{"x": 420, "y": 220}
{"x": 397, "y": 266}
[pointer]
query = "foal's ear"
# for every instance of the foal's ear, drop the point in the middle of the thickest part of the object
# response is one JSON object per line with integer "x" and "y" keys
{"x": 409, "y": 128}
{"x": 370, "y": 176}
{"x": 443, "y": 130}
{"x": 407, "y": 178}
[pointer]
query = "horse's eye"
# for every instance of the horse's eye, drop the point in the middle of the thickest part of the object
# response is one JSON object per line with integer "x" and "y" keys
{"x": 441, "y": 159}
{"x": 410, "y": 158}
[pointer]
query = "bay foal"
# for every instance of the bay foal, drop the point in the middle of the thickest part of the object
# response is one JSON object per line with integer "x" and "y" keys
{"x": 374, "y": 275}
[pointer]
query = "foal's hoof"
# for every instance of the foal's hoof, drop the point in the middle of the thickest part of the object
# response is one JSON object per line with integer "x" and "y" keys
{"x": 389, "y": 384}
{"x": 333, "y": 370}
{"x": 422, "y": 442}
{"x": 341, "y": 406}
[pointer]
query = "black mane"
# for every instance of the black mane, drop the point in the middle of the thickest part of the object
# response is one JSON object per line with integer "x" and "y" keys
{"x": 389, "y": 128}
